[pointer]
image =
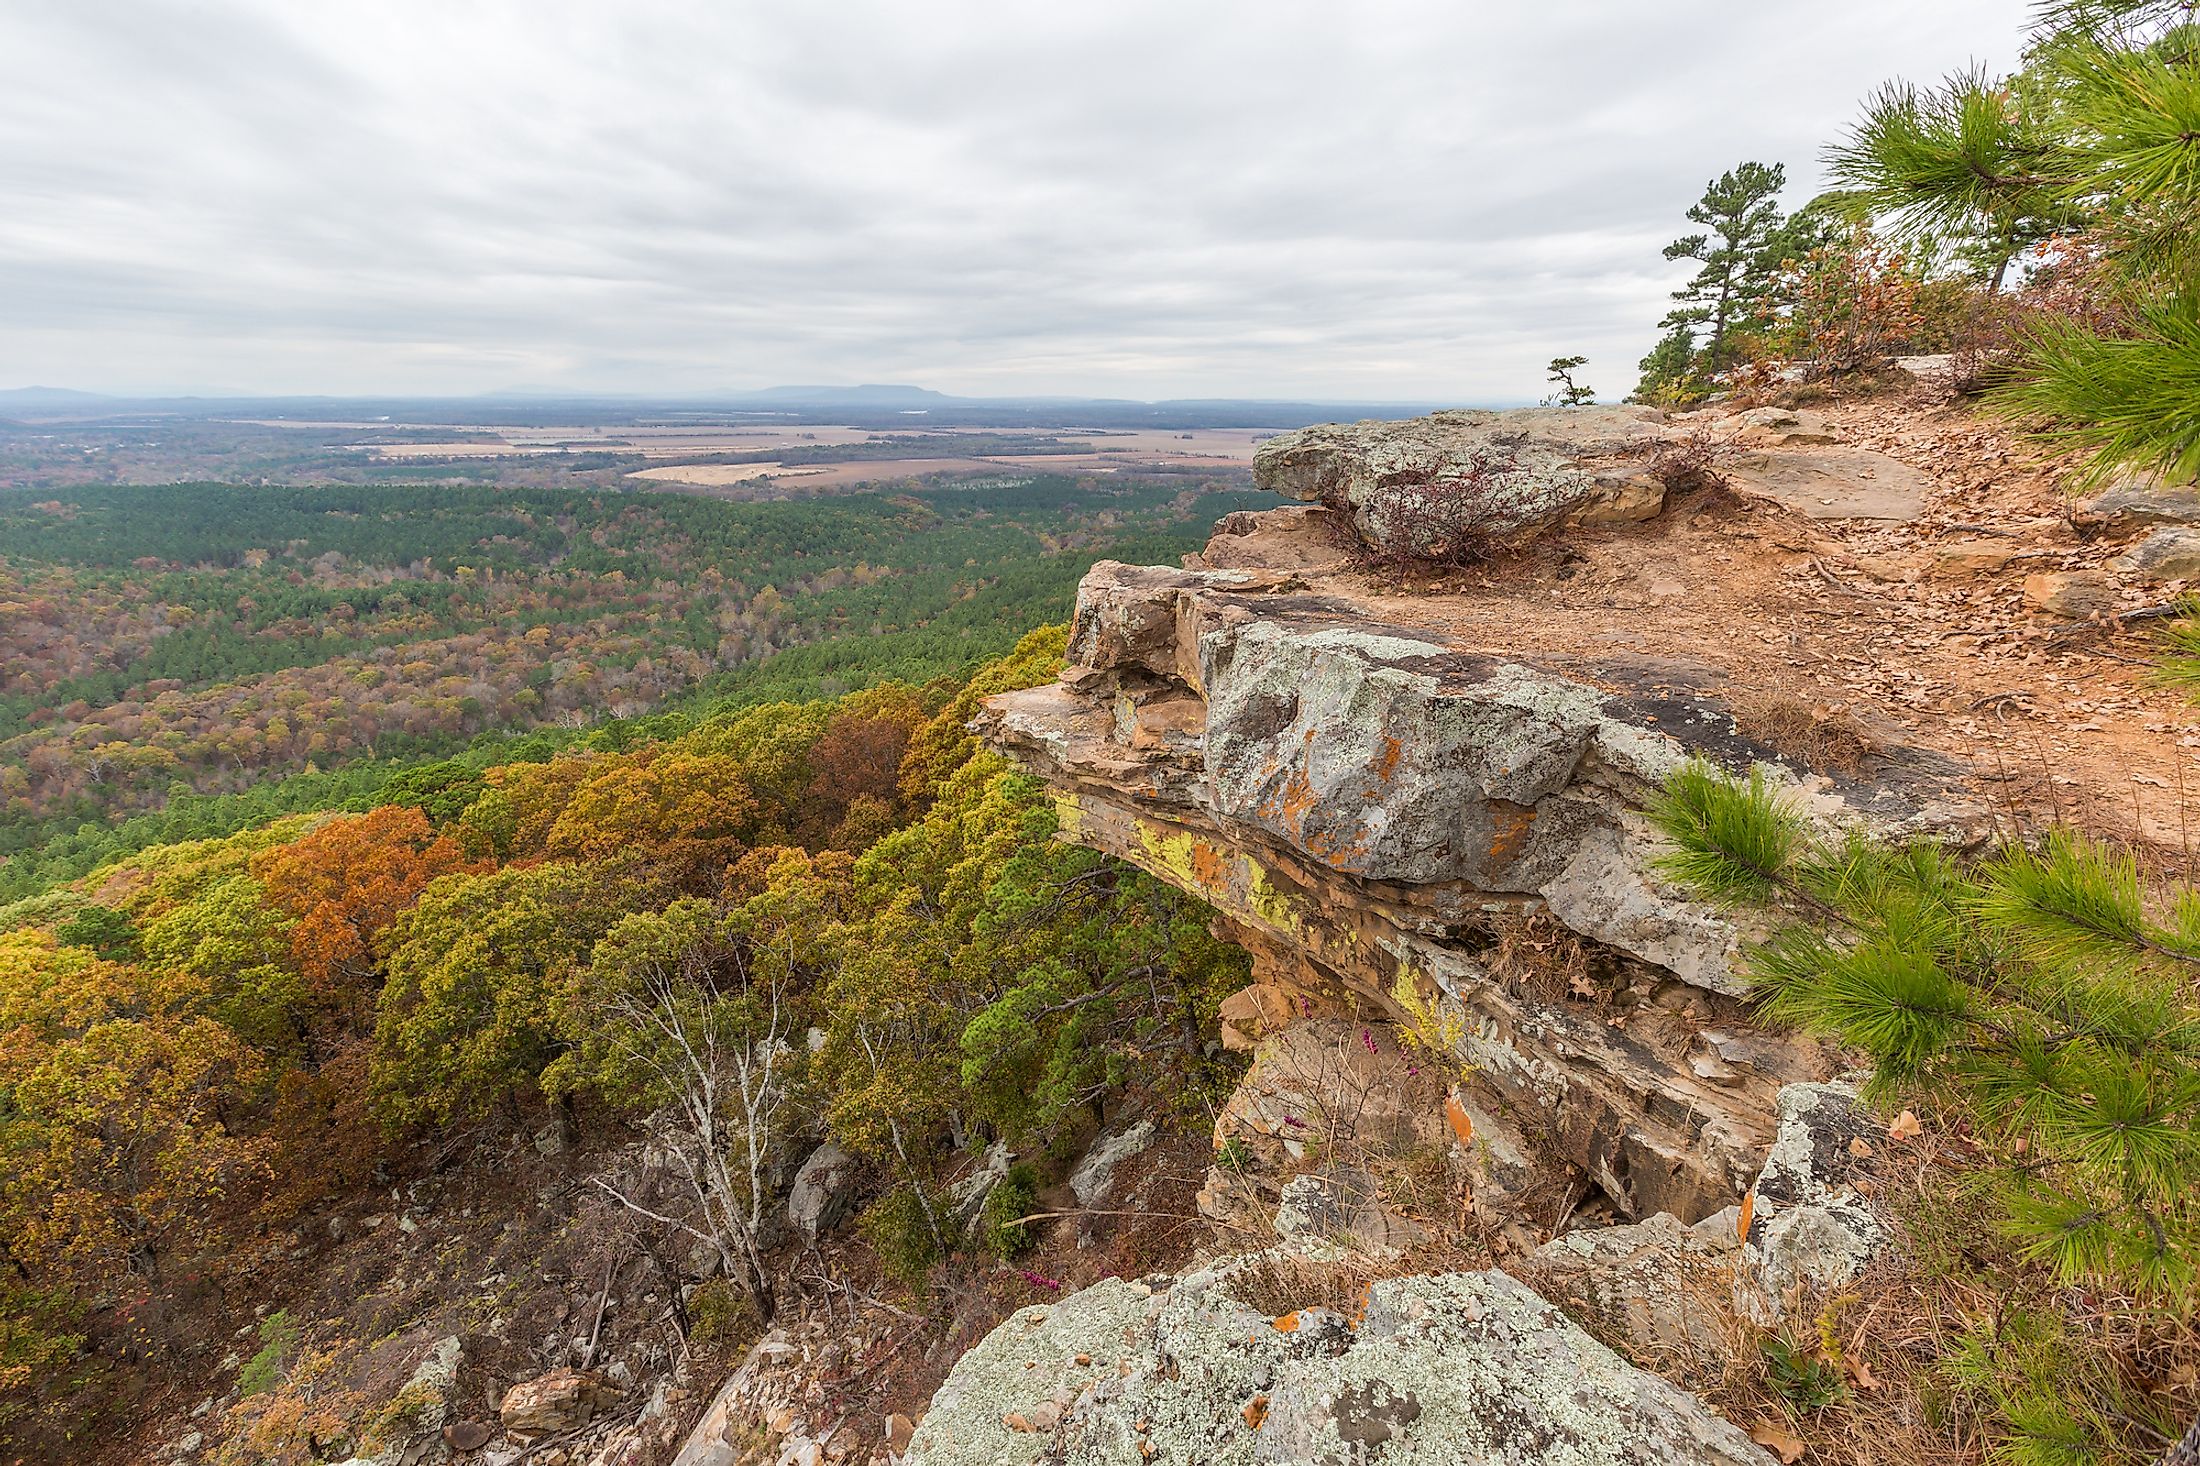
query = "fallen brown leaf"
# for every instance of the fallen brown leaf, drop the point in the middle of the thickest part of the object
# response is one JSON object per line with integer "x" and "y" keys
{"x": 1777, "y": 1440}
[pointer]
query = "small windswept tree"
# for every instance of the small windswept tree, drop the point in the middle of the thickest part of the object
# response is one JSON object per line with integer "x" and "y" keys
{"x": 1570, "y": 393}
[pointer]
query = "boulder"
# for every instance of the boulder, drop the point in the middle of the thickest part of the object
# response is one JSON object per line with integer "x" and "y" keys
{"x": 824, "y": 1191}
{"x": 1662, "y": 1286}
{"x": 2166, "y": 554}
{"x": 2140, "y": 503}
{"x": 562, "y": 1399}
{"x": 2073, "y": 594}
{"x": 1317, "y": 1087}
{"x": 1810, "y": 1229}
{"x": 1096, "y": 1172}
{"x": 1411, "y": 486}
{"x": 1302, "y": 538}
{"x": 1454, "y": 1367}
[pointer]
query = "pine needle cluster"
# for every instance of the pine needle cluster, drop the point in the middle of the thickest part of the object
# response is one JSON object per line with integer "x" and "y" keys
{"x": 2044, "y": 997}
{"x": 2099, "y": 133}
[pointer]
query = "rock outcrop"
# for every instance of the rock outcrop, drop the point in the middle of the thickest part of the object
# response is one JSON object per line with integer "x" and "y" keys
{"x": 1493, "y": 473}
{"x": 1375, "y": 804}
{"x": 1453, "y": 1368}
{"x": 1427, "y": 833}
{"x": 1369, "y": 808}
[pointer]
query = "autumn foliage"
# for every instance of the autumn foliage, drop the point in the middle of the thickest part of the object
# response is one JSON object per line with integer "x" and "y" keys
{"x": 203, "y": 1042}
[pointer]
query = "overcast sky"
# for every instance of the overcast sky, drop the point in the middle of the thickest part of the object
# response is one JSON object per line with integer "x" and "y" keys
{"x": 1347, "y": 200}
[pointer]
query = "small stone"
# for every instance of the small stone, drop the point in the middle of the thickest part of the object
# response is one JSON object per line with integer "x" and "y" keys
{"x": 467, "y": 1435}
{"x": 899, "y": 1429}
{"x": 2072, "y": 594}
{"x": 559, "y": 1400}
{"x": 1046, "y": 1415}
{"x": 1970, "y": 558}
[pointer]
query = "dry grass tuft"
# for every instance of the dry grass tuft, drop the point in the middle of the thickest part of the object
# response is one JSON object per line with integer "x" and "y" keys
{"x": 1822, "y": 739}
{"x": 1535, "y": 956}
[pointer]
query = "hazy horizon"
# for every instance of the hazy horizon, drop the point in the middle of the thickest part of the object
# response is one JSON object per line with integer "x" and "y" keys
{"x": 670, "y": 200}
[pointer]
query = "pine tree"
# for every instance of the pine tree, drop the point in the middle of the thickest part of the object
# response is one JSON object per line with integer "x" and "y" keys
{"x": 1744, "y": 220}
{"x": 2038, "y": 996}
{"x": 1971, "y": 166}
{"x": 2101, "y": 131}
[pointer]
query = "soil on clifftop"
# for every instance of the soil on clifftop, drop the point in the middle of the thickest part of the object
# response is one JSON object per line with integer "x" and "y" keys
{"x": 1834, "y": 637}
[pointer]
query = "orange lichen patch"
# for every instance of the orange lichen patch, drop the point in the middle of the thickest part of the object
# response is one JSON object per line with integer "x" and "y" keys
{"x": 1360, "y": 1306}
{"x": 1208, "y": 867}
{"x": 1387, "y": 764}
{"x": 1741, "y": 1222}
{"x": 1255, "y": 1411}
{"x": 1289, "y": 1323}
{"x": 1456, "y": 1116}
{"x": 1510, "y": 824}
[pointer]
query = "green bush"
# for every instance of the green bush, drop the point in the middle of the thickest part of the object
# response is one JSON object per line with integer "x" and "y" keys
{"x": 1015, "y": 1197}
{"x": 902, "y": 1235}
{"x": 264, "y": 1370}
{"x": 719, "y": 1314}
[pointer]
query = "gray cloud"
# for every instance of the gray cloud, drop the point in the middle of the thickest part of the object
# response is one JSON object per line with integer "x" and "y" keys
{"x": 1383, "y": 199}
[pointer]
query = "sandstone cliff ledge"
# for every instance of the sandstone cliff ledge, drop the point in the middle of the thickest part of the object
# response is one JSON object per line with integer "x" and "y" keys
{"x": 1380, "y": 788}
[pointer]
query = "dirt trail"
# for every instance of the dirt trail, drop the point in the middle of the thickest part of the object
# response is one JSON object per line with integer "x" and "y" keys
{"x": 1832, "y": 635}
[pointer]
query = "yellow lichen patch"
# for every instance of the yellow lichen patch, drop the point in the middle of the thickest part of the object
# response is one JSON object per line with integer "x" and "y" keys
{"x": 1069, "y": 815}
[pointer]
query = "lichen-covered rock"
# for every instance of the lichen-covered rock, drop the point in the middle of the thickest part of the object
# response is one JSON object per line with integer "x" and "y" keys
{"x": 1810, "y": 1229}
{"x": 1506, "y": 473}
{"x": 1467, "y": 1369}
{"x": 824, "y": 1191}
{"x": 1386, "y": 756}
